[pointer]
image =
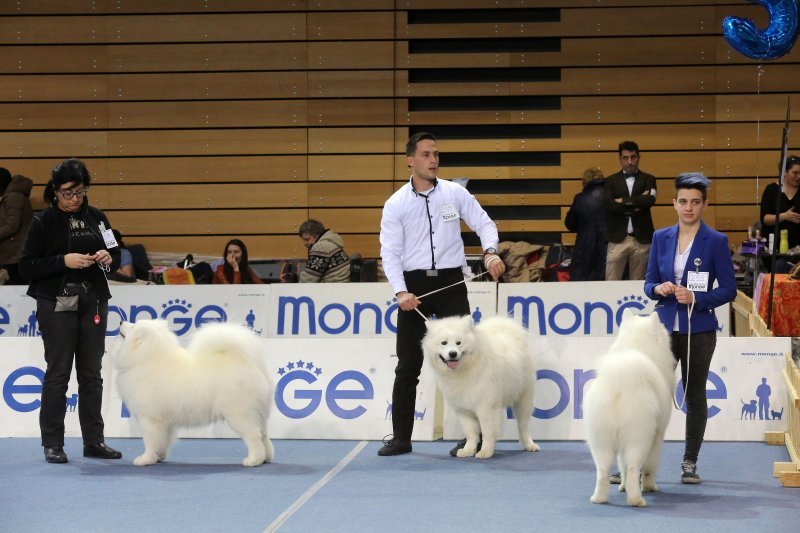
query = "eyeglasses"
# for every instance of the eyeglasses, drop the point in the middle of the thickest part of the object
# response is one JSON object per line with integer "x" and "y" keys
{"x": 68, "y": 195}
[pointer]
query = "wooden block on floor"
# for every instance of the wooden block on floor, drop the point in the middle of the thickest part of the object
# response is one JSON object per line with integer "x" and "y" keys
{"x": 775, "y": 438}
{"x": 780, "y": 467}
{"x": 790, "y": 479}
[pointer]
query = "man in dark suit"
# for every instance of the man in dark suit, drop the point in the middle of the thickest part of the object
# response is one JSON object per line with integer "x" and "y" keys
{"x": 627, "y": 197}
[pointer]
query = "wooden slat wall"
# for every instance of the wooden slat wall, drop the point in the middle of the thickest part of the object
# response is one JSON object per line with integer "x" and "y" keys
{"x": 202, "y": 121}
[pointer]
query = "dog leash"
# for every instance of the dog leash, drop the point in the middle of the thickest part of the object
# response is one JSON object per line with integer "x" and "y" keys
{"x": 688, "y": 357}
{"x": 445, "y": 288}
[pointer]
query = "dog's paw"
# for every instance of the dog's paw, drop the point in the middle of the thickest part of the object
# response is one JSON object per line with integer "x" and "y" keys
{"x": 145, "y": 460}
{"x": 598, "y": 499}
{"x": 484, "y": 454}
{"x": 531, "y": 447}
{"x": 621, "y": 487}
{"x": 248, "y": 461}
{"x": 466, "y": 452}
{"x": 637, "y": 502}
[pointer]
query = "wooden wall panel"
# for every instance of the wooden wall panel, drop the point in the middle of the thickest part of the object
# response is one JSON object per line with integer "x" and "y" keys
{"x": 207, "y": 221}
{"x": 202, "y": 196}
{"x": 350, "y": 167}
{"x": 155, "y": 28}
{"x": 205, "y": 120}
{"x": 190, "y": 170}
{"x": 210, "y": 142}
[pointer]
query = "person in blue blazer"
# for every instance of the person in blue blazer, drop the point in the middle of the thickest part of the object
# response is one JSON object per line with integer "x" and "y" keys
{"x": 690, "y": 273}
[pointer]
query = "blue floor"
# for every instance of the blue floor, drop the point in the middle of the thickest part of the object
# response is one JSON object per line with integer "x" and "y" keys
{"x": 203, "y": 487}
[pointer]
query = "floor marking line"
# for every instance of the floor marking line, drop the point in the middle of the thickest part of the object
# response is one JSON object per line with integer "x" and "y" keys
{"x": 299, "y": 502}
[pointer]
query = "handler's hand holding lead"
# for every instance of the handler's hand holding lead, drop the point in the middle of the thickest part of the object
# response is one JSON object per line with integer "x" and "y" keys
{"x": 494, "y": 265}
{"x": 407, "y": 301}
{"x": 103, "y": 257}
{"x": 684, "y": 295}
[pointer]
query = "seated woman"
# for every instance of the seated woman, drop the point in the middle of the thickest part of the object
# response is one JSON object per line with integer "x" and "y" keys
{"x": 235, "y": 268}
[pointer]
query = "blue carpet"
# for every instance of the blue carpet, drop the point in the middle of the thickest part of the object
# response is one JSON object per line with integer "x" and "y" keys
{"x": 203, "y": 487}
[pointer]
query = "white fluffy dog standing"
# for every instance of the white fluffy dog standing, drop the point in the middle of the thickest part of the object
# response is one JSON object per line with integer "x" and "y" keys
{"x": 222, "y": 374}
{"x": 628, "y": 406}
{"x": 481, "y": 370}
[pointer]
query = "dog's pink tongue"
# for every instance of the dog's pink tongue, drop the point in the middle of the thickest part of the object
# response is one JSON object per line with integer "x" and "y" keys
{"x": 452, "y": 364}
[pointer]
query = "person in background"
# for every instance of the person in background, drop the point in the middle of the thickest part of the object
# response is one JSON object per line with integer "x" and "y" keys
{"x": 789, "y": 209}
{"x": 685, "y": 262}
{"x": 16, "y": 214}
{"x": 125, "y": 273}
{"x": 422, "y": 251}
{"x": 587, "y": 218}
{"x": 68, "y": 249}
{"x": 236, "y": 269}
{"x": 628, "y": 196}
{"x": 327, "y": 261}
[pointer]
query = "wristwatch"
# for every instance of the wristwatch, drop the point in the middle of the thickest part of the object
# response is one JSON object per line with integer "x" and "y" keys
{"x": 489, "y": 251}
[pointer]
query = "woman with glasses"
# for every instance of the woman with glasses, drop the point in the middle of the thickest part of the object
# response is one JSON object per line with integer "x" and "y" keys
{"x": 69, "y": 249}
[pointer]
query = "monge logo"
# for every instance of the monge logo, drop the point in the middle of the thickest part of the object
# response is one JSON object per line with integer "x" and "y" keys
{"x": 566, "y": 318}
{"x": 178, "y": 312}
{"x": 575, "y": 389}
{"x": 335, "y": 318}
{"x": 301, "y": 390}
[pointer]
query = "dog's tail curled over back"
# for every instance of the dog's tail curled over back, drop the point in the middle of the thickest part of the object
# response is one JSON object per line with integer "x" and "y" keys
{"x": 220, "y": 338}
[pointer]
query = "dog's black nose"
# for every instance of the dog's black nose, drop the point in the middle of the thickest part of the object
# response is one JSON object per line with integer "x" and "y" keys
{"x": 453, "y": 354}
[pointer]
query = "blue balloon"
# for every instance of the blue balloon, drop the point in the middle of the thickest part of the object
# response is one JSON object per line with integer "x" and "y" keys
{"x": 772, "y": 43}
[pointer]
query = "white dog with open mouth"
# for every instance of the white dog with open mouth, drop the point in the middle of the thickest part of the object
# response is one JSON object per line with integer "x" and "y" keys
{"x": 481, "y": 370}
{"x": 627, "y": 407}
{"x": 221, "y": 375}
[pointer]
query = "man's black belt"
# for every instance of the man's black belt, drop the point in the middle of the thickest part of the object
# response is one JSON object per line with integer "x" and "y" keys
{"x": 434, "y": 272}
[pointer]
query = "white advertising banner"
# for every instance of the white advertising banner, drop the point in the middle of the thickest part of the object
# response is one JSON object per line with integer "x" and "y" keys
{"x": 352, "y": 310}
{"x": 342, "y": 389}
{"x": 745, "y": 389}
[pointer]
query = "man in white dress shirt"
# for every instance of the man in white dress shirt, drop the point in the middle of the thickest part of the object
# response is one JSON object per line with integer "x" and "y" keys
{"x": 422, "y": 250}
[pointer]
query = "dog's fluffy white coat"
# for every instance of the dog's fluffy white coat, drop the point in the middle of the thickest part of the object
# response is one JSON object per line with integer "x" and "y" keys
{"x": 628, "y": 406}
{"x": 481, "y": 370}
{"x": 222, "y": 374}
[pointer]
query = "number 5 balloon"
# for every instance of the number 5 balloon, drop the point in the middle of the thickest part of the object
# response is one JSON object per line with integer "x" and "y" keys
{"x": 772, "y": 43}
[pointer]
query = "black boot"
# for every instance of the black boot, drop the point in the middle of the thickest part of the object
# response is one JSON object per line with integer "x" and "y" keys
{"x": 55, "y": 454}
{"x": 101, "y": 451}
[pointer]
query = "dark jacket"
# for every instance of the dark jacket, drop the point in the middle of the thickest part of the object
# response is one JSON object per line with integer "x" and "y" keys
{"x": 15, "y": 218}
{"x": 587, "y": 218}
{"x": 636, "y": 206}
{"x": 769, "y": 201}
{"x": 48, "y": 241}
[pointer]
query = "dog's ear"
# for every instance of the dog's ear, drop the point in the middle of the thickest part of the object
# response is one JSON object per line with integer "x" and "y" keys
{"x": 467, "y": 320}
{"x": 627, "y": 313}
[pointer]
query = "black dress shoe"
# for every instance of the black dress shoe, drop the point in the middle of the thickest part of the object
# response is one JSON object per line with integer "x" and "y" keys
{"x": 55, "y": 454}
{"x": 101, "y": 451}
{"x": 394, "y": 447}
{"x": 461, "y": 444}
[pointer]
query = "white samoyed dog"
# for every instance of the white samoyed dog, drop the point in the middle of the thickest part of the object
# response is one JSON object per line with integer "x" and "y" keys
{"x": 628, "y": 406}
{"x": 481, "y": 370}
{"x": 222, "y": 374}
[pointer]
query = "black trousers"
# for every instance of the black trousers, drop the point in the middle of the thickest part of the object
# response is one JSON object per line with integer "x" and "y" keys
{"x": 703, "y": 345}
{"x": 410, "y": 330}
{"x": 69, "y": 335}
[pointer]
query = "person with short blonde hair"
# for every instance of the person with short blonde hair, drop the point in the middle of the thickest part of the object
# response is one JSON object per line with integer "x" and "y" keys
{"x": 587, "y": 218}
